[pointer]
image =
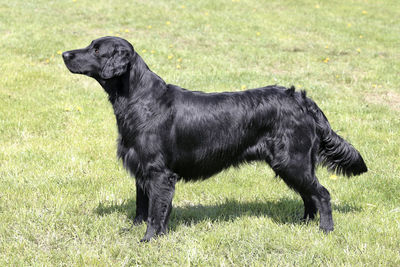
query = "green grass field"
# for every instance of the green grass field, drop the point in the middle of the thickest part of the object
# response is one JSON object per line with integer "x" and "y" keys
{"x": 65, "y": 200}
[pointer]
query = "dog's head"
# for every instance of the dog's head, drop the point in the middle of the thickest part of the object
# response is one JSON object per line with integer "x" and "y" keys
{"x": 105, "y": 58}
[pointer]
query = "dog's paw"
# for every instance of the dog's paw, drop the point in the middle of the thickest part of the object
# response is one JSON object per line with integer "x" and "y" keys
{"x": 139, "y": 220}
{"x": 145, "y": 240}
{"x": 326, "y": 229}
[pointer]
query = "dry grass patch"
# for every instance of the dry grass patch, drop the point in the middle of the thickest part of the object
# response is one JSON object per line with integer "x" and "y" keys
{"x": 390, "y": 99}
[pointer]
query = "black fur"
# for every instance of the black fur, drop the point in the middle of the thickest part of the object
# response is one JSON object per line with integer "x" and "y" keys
{"x": 167, "y": 133}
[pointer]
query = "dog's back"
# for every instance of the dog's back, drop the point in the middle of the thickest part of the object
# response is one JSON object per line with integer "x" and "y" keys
{"x": 211, "y": 132}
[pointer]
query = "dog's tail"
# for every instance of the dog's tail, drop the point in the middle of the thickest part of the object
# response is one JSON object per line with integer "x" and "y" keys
{"x": 334, "y": 152}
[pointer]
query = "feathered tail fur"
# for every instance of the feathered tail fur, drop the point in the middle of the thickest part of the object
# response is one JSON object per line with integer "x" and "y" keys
{"x": 334, "y": 152}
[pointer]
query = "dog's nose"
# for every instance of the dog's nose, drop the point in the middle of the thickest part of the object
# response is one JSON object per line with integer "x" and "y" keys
{"x": 68, "y": 55}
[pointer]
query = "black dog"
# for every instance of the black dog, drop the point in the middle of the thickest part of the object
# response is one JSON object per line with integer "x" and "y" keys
{"x": 167, "y": 133}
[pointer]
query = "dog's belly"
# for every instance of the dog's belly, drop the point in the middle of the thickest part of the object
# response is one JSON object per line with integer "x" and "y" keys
{"x": 191, "y": 171}
{"x": 197, "y": 166}
{"x": 202, "y": 156}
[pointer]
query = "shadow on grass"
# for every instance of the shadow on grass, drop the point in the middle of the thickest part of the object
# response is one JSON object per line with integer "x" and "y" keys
{"x": 283, "y": 211}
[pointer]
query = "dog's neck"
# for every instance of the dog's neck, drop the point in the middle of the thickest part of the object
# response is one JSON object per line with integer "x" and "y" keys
{"x": 136, "y": 90}
{"x": 116, "y": 87}
{"x": 138, "y": 80}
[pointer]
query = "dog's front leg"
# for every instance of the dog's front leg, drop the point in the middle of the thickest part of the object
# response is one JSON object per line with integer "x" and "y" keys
{"x": 161, "y": 188}
{"x": 142, "y": 204}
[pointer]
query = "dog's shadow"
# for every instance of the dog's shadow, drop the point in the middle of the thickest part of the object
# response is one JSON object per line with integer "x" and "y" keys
{"x": 282, "y": 211}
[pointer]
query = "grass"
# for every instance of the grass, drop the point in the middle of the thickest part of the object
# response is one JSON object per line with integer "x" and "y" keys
{"x": 64, "y": 197}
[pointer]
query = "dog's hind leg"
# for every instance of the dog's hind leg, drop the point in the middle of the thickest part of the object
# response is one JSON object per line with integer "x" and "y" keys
{"x": 322, "y": 199}
{"x": 298, "y": 173}
{"x": 314, "y": 195}
{"x": 161, "y": 188}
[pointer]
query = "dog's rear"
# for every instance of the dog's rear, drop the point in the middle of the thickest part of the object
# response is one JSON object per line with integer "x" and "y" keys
{"x": 334, "y": 152}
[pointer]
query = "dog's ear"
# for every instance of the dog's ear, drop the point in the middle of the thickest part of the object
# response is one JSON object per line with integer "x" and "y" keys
{"x": 116, "y": 65}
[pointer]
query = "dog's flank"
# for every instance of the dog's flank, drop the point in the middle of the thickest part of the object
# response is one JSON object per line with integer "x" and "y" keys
{"x": 167, "y": 133}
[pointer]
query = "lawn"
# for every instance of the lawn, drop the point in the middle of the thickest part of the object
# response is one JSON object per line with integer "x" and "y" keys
{"x": 65, "y": 198}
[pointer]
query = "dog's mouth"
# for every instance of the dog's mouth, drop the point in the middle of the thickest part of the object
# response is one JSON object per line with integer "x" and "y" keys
{"x": 73, "y": 68}
{"x": 74, "y": 65}
{"x": 70, "y": 63}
